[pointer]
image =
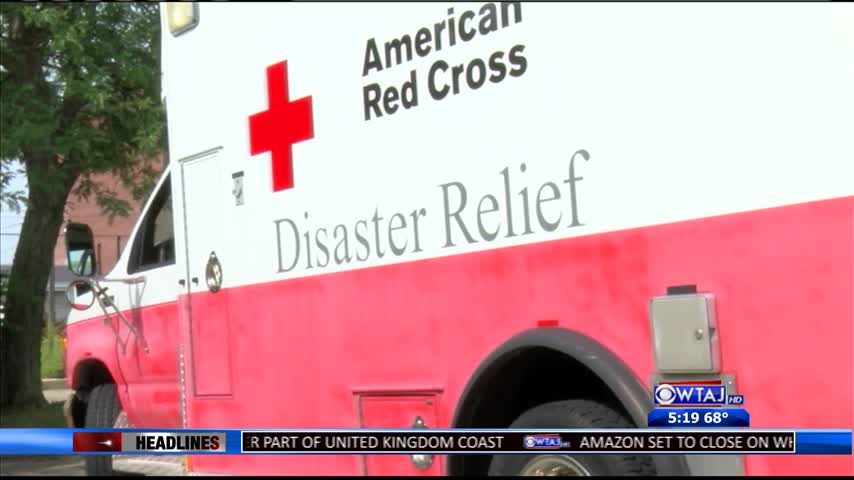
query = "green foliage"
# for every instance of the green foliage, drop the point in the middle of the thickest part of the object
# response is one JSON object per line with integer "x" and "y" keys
{"x": 52, "y": 353}
{"x": 80, "y": 95}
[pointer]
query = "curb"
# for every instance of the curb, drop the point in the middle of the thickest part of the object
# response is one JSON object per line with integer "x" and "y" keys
{"x": 53, "y": 383}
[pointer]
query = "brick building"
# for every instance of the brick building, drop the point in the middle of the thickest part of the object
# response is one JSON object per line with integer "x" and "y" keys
{"x": 110, "y": 238}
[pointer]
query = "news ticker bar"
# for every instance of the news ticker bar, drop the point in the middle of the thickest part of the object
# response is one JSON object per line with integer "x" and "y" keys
{"x": 409, "y": 441}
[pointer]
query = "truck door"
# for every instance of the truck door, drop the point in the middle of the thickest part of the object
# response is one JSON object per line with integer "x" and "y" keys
{"x": 146, "y": 355}
{"x": 207, "y": 324}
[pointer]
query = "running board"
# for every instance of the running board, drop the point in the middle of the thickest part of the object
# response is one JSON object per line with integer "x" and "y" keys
{"x": 148, "y": 465}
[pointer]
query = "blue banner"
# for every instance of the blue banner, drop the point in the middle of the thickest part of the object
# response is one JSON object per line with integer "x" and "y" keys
{"x": 437, "y": 441}
{"x": 823, "y": 442}
{"x": 698, "y": 417}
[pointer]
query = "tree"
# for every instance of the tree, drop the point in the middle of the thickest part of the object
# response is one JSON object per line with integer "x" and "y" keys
{"x": 79, "y": 96}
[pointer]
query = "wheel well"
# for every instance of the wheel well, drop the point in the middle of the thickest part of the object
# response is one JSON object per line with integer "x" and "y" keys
{"x": 531, "y": 377}
{"x": 543, "y": 365}
{"x": 87, "y": 375}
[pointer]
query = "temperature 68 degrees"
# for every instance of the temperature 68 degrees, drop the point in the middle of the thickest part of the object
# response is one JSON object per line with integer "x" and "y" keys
{"x": 689, "y": 417}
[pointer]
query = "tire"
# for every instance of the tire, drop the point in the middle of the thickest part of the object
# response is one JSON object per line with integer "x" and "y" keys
{"x": 574, "y": 414}
{"x": 102, "y": 410}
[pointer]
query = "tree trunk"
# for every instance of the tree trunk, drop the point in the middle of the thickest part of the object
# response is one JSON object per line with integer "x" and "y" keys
{"x": 20, "y": 336}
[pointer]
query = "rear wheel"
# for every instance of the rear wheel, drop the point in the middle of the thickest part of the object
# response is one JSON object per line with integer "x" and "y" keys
{"x": 571, "y": 414}
{"x": 102, "y": 410}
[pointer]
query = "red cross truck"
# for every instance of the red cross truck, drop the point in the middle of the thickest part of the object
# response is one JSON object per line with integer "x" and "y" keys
{"x": 467, "y": 215}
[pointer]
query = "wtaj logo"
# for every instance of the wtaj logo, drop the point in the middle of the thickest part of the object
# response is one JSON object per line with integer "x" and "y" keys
{"x": 694, "y": 394}
{"x": 544, "y": 442}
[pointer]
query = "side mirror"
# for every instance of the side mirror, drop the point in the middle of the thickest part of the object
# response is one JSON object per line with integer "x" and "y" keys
{"x": 80, "y": 295}
{"x": 80, "y": 249}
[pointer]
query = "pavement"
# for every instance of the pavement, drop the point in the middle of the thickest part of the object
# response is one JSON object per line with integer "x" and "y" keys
{"x": 42, "y": 465}
{"x": 54, "y": 390}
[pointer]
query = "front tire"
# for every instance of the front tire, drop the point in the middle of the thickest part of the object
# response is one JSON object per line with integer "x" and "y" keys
{"x": 102, "y": 410}
{"x": 571, "y": 414}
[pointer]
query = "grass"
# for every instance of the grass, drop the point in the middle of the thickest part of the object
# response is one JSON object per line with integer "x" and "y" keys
{"x": 48, "y": 416}
{"x": 51, "y": 353}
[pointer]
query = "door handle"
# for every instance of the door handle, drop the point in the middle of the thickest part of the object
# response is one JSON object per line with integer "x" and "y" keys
{"x": 195, "y": 280}
{"x": 182, "y": 282}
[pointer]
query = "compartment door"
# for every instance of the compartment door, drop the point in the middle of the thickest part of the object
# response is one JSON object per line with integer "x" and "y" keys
{"x": 393, "y": 411}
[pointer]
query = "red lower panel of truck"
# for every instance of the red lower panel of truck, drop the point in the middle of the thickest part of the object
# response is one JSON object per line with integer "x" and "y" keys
{"x": 148, "y": 382}
{"x": 310, "y": 352}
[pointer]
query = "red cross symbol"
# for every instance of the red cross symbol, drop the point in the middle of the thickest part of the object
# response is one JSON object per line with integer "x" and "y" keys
{"x": 279, "y": 127}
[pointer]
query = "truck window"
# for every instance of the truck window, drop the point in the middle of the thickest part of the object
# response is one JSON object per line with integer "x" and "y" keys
{"x": 154, "y": 245}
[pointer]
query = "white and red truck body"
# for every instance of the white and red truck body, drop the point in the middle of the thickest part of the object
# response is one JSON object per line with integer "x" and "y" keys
{"x": 383, "y": 212}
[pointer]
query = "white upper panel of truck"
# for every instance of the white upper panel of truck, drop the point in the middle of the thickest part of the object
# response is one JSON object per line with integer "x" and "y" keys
{"x": 423, "y": 130}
